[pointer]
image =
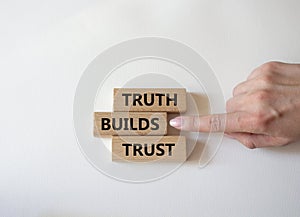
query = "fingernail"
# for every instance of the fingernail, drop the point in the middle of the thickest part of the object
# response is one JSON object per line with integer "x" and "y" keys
{"x": 176, "y": 122}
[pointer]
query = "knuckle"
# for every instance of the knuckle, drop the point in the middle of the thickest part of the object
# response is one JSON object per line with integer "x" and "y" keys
{"x": 260, "y": 123}
{"x": 266, "y": 79}
{"x": 215, "y": 123}
{"x": 241, "y": 122}
{"x": 261, "y": 95}
{"x": 260, "y": 110}
{"x": 264, "y": 117}
{"x": 236, "y": 89}
{"x": 266, "y": 68}
{"x": 274, "y": 114}
{"x": 269, "y": 67}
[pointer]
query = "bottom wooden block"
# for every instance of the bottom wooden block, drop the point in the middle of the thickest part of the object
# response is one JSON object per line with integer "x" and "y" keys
{"x": 149, "y": 148}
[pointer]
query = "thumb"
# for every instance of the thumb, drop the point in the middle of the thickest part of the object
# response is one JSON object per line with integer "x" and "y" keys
{"x": 258, "y": 140}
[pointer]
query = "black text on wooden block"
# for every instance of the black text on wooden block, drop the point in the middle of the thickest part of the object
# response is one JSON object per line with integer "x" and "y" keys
{"x": 150, "y": 99}
{"x": 149, "y": 148}
{"x": 130, "y": 123}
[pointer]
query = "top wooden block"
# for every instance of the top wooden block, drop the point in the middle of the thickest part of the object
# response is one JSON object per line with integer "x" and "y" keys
{"x": 150, "y": 99}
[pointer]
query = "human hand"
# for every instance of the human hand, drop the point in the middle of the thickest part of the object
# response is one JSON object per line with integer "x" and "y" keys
{"x": 264, "y": 110}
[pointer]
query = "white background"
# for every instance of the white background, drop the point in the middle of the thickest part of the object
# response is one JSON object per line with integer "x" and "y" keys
{"x": 44, "y": 48}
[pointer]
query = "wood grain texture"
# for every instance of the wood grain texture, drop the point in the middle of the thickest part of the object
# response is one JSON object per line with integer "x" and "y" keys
{"x": 149, "y": 148}
{"x": 130, "y": 123}
{"x": 150, "y": 99}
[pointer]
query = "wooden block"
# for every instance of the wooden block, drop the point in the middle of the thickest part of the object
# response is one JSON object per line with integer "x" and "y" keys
{"x": 149, "y": 148}
{"x": 130, "y": 123}
{"x": 150, "y": 99}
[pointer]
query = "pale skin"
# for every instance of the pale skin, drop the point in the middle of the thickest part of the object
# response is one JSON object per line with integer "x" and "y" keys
{"x": 264, "y": 110}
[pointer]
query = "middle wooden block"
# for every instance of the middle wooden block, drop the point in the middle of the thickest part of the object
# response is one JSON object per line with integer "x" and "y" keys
{"x": 130, "y": 123}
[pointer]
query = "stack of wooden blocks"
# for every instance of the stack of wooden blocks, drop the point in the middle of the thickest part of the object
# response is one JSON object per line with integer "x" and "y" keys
{"x": 138, "y": 124}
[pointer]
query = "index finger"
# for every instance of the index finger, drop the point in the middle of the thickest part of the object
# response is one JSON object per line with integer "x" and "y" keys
{"x": 230, "y": 122}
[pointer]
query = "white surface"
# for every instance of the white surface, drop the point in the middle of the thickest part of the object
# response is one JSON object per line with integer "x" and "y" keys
{"x": 44, "y": 49}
